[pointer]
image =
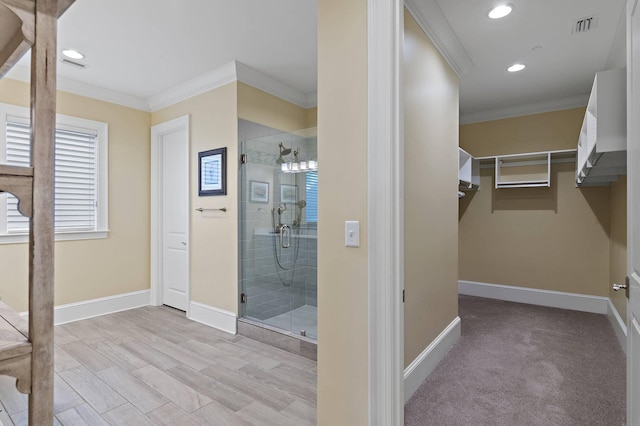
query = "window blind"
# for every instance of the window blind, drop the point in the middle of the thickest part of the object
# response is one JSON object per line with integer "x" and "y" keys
{"x": 75, "y": 178}
{"x": 312, "y": 197}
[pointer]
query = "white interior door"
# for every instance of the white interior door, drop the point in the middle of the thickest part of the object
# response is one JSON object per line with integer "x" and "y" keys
{"x": 633, "y": 216}
{"x": 172, "y": 216}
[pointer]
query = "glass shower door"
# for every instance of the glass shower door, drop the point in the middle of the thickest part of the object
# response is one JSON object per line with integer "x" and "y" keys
{"x": 278, "y": 255}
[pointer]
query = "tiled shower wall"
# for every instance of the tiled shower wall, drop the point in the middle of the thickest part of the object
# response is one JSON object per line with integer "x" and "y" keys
{"x": 271, "y": 290}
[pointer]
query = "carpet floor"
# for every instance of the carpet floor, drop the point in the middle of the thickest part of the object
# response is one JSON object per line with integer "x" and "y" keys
{"x": 518, "y": 364}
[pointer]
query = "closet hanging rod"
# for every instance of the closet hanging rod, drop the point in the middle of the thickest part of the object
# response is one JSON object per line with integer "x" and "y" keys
{"x": 200, "y": 209}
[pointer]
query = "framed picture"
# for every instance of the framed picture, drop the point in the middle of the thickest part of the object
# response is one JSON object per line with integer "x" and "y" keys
{"x": 258, "y": 191}
{"x": 212, "y": 172}
{"x": 288, "y": 193}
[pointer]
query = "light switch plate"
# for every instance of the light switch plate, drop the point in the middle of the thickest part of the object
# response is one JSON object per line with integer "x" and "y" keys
{"x": 352, "y": 233}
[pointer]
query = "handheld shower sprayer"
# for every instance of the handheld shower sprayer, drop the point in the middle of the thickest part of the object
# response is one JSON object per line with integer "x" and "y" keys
{"x": 301, "y": 205}
{"x": 281, "y": 209}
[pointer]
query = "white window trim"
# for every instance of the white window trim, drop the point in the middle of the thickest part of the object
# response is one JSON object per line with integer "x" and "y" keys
{"x": 64, "y": 122}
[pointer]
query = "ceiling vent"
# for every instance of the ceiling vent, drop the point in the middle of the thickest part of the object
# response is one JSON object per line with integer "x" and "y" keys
{"x": 74, "y": 64}
{"x": 584, "y": 25}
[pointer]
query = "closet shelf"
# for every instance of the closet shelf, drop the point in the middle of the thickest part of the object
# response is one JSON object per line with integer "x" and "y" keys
{"x": 602, "y": 144}
{"x": 19, "y": 182}
{"x": 468, "y": 172}
{"x": 15, "y": 171}
{"x": 26, "y": 350}
{"x": 17, "y": 34}
{"x": 557, "y": 157}
{"x": 15, "y": 348}
{"x": 526, "y": 170}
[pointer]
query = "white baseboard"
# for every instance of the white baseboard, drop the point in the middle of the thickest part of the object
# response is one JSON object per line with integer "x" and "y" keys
{"x": 619, "y": 325}
{"x": 97, "y": 307}
{"x": 426, "y": 362}
{"x": 554, "y": 299}
{"x": 213, "y": 317}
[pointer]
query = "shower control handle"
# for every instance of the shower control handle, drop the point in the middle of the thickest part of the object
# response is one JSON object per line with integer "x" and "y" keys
{"x": 285, "y": 236}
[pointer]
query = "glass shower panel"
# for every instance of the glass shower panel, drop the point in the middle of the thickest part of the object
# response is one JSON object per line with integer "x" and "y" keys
{"x": 278, "y": 232}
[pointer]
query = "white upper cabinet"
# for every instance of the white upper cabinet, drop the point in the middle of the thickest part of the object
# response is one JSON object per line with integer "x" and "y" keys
{"x": 468, "y": 172}
{"x": 602, "y": 144}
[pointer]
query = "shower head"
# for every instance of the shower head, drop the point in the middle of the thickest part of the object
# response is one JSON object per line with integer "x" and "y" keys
{"x": 283, "y": 150}
{"x": 302, "y": 204}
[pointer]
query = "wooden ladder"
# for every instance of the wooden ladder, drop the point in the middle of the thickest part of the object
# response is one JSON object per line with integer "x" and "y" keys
{"x": 26, "y": 350}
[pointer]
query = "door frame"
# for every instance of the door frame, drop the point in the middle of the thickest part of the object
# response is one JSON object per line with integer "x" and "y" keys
{"x": 157, "y": 132}
{"x": 632, "y": 140}
{"x": 385, "y": 23}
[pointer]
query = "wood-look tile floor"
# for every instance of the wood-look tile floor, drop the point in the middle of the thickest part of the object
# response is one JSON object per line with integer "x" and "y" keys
{"x": 153, "y": 366}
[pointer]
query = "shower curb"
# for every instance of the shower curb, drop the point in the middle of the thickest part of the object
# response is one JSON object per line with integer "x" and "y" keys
{"x": 289, "y": 342}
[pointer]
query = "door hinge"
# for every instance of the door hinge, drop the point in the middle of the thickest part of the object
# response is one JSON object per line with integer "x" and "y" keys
{"x": 402, "y": 296}
{"x": 243, "y": 298}
{"x": 243, "y": 159}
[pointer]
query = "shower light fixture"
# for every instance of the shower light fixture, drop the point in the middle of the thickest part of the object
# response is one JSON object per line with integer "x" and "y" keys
{"x": 299, "y": 167}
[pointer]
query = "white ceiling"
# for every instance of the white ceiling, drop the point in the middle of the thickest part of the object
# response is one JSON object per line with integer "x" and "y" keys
{"x": 562, "y": 65}
{"x": 142, "y": 48}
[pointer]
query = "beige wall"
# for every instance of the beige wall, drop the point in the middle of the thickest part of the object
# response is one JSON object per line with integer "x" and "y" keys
{"x": 214, "y": 237}
{"x": 431, "y": 203}
{"x": 214, "y": 124}
{"x": 311, "y": 117}
{"x": 342, "y": 271}
{"x": 531, "y": 133}
{"x": 263, "y": 108}
{"x": 618, "y": 253}
{"x": 95, "y": 268}
{"x": 547, "y": 238}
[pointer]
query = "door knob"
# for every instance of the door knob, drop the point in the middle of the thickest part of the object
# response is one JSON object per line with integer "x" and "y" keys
{"x": 624, "y": 287}
{"x": 184, "y": 244}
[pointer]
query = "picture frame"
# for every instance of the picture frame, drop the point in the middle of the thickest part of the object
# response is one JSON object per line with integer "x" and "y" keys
{"x": 288, "y": 193}
{"x": 212, "y": 172}
{"x": 258, "y": 191}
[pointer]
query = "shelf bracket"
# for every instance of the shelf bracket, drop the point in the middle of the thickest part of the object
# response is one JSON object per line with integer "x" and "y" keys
{"x": 21, "y": 187}
{"x": 20, "y": 368}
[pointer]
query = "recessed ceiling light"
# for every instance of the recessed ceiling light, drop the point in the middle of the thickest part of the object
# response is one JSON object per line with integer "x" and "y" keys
{"x": 500, "y": 11}
{"x": 516, "y": 67}
{"x": 72, "y": 54}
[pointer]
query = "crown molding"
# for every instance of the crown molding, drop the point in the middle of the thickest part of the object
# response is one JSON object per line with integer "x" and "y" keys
{"x": 210, "y": 80}
{"x": 224, "y": 74}
{"x": 22, "y": 73}
{"x": 435, "y": 25}
{"x": 312, "y": 100}
{"x": 272, "y": 86}
{"x": 102, "y": 94}
{"x": 528, "y": 109}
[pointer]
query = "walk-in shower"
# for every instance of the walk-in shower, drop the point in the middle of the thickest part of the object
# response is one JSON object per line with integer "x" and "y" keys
{"x": 278, "y": 232}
